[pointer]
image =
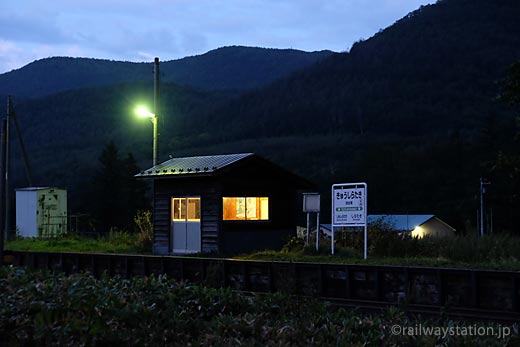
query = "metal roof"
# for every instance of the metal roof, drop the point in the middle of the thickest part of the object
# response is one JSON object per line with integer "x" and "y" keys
{"x": 31, "y": 189}
{"x": 193, "y": 165}
{"x": 399, "y": 222}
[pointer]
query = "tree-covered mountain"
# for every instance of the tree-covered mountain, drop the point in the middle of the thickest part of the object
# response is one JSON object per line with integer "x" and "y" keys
{"x": 411, "y": 111}
{"x": 227, "y": 68}
{"x": 433, "y": 70}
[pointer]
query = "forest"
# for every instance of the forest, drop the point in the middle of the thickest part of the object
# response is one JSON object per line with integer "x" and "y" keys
{"x": 420, "y": 111}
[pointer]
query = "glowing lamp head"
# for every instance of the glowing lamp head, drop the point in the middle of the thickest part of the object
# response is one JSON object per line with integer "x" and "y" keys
{"x": 141, "y": 111}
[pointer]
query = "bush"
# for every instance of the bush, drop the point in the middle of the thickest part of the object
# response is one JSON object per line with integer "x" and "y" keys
{"x": 39, "y": 308}
{"x": 144, "y": 225}
{"x": 383, "y": 242}
{"x": 295, "y": 244}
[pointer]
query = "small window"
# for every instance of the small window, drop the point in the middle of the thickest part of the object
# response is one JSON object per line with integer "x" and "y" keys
{"x": 179, "y": 209}
{"x": 245, "y": 208}
{"x": 193, "y": 210}
{"x": 186, "y": 209}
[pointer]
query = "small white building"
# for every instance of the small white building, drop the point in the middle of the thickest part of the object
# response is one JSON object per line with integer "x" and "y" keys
{"x": 41, "y": 212}
{"x": 416, "y": 225}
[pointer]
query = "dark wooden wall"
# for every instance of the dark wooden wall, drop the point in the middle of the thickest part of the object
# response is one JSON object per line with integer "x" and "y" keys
{"x": 209, "y": 192}
{"x": 256, "y": 178}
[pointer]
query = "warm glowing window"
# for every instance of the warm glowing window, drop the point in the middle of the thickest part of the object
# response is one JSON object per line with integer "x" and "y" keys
{"x": 245, "y": 208}
{"x": 186, "y": 209}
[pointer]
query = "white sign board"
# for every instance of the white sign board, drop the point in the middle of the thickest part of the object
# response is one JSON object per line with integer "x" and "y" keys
{"x": 349, "y": 205}
{"x": 311, "y": 202}
{"x": 349, "y": 208}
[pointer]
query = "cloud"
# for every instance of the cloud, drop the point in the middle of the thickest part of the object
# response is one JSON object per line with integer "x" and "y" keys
{"x": 170, "y": 29}
{"x": 31, "y": 28}
{"x": 9, "y": 55}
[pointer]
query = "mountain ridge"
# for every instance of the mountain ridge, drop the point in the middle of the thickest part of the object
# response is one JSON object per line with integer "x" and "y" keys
{"x": 225, "y": 68}
{"x": 431, "y": 60}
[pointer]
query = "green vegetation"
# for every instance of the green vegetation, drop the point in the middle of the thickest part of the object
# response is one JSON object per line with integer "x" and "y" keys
{"x": 144, "y": 226}
{"x": 114, "y": 196}
{"x": 116, "y": 242}
{"x": 309, "y": 257}
{"x": 49, "y": 309}
{"x": 388, "y": 248}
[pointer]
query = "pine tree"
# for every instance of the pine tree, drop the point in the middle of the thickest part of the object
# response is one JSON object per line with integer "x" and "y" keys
{"x": 116, "y": 195}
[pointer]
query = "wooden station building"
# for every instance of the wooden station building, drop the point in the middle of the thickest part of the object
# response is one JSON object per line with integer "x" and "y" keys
{"x": 226, "y": 204}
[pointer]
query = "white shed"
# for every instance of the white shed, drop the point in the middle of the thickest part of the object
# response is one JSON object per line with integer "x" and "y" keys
{"x": 41, "y": 211}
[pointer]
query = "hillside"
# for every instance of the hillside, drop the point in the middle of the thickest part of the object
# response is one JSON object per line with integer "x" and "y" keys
{"x": 227, "y": 68}
{"x": 412, "y": 111}
{"x": 431, "y": 72}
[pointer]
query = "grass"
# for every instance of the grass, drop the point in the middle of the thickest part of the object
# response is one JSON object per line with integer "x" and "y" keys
{"x": 269, "y": 255}
{"x": 117, "y": 242}
{"x": 497, "y": 252}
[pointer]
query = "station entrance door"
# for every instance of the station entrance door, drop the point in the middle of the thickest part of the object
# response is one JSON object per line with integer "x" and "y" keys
{"x": 185, "y": 226}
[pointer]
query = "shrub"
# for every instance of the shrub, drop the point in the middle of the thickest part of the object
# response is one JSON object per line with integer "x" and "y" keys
{"x": 295, "y": 244}
{"x": 144, "y": 225}
{"x": 383, "y": 242}
{"x": 39, "y": 308}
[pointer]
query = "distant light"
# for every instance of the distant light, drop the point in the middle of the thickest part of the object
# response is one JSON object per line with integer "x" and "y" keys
{"x": 142, "y": 111}
{"x": 418, "y": 232}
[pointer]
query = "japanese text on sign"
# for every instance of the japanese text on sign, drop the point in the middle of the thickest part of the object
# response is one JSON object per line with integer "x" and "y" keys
{"x": 349, "y": 206}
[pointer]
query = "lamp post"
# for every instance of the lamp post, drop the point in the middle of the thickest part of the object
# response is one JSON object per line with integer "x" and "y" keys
{"x": 143, "y": 112}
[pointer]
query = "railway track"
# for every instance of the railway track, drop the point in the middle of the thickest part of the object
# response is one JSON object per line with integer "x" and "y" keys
{"x": 460, "y": 293}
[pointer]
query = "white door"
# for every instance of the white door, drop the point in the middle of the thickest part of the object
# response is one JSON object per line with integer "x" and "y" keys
{"x": 186, "y": 225}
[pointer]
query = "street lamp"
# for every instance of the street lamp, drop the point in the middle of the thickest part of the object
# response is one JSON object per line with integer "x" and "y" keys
{"x": 141, "y": 111}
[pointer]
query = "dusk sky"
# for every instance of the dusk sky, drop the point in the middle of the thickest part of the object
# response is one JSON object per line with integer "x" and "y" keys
{"x": 137, "y": 30}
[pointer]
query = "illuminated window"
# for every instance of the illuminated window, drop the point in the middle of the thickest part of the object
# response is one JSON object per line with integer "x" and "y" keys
{"x": 245, "y": 208}
{"x": 186, "y": 209}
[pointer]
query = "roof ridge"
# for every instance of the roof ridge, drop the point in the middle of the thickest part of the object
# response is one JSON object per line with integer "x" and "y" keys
{"x": 194, "y": 165}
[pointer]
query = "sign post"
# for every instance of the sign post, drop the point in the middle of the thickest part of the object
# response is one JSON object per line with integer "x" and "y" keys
{"x": 349, "y": 209}
{"x": 311, "y": 203}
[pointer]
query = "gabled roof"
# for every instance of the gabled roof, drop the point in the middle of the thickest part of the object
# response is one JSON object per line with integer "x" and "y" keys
{"x": 401, "y": 222}
{"x": 33, "y": 189}
{"x": 398, "y": 222}
{"x": 198, "y": 165}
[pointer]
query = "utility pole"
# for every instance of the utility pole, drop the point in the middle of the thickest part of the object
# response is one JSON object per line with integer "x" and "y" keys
{"x": 22, "y": 147}
{"x": 156, "y": 92}
{"x": 7, "y": 169}
{"x": 483, "y": 183}
{"x": 2, "y": 190}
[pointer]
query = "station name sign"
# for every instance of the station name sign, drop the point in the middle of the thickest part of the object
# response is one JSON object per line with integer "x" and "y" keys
{"x": 349, "y": 204}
